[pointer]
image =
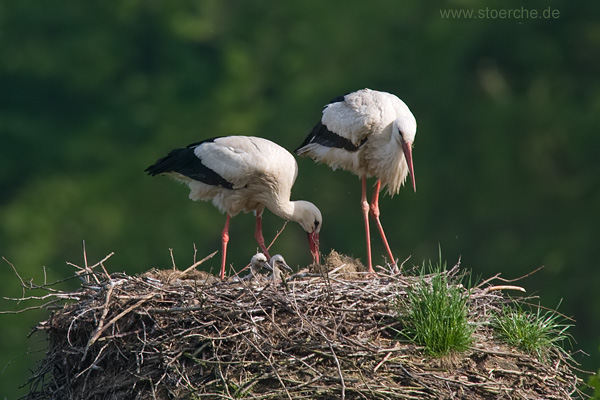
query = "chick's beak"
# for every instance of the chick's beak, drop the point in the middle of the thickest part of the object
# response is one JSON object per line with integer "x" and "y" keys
{"x": 407, "y": 149}
{"x": 287, "y": 267}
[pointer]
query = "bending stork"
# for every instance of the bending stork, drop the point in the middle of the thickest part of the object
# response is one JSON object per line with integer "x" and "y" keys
{"x": 242, "y": 173}
{"x": 370, "y": 134}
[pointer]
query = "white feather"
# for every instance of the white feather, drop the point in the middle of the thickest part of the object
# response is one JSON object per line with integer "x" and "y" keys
{"x": 369, "y": 119}
{"x": 262, "y": 174}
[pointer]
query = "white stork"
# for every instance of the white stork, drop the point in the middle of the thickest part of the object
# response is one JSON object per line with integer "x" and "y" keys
{"x": 242, "y": 173}
{"x": 370, "y": 134}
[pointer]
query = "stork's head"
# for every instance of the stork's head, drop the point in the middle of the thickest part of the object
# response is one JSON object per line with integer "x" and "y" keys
{"x": 405, "y": 129}
{"x": 309, "y": 217}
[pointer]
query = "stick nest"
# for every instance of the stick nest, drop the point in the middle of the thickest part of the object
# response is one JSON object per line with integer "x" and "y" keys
{"x": 175, "y": 335}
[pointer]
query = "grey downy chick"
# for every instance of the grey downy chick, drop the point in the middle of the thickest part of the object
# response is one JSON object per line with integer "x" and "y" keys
{"x": 276, "y": 265}
{"x": 257, "y": 264}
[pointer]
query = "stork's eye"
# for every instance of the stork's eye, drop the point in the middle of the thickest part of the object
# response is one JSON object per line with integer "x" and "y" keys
{"x": 316, "y": 224}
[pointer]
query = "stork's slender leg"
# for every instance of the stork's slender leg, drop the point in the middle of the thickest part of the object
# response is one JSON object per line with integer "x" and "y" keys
{"x": 224, "y": 240}
{"x": 365, "y": 210}
{"x": 259, "y": 236}
{"x": 375, "y": 213}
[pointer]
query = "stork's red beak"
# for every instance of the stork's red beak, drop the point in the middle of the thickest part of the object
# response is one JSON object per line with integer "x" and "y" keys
{"x": 407, "y": 149}
{"x": 313, "y": 241}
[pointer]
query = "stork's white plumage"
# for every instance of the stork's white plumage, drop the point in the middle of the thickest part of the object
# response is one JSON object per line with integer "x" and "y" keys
{"x": 370, "y": 134}
{"x": 242, "y": 173}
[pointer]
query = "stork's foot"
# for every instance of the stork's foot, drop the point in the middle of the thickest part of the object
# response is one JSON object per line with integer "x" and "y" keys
{"x": 371, "y": 274}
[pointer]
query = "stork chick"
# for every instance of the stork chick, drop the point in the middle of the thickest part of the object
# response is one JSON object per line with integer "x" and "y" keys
{"x": 257, "y": 264}
{"x": 276, "y": 265}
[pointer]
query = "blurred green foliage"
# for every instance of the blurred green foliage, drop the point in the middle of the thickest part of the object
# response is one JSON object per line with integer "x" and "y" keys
{"x": 506, "y": 156}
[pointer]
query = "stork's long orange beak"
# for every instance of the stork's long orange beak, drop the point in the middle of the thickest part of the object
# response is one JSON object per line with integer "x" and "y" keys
{"x": 313, "y": 241}
{"x": 407, "y": 149}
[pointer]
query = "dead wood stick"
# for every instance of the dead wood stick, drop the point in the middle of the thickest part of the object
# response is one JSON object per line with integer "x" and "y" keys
{"x": 23, "y": 286}
{"x": 277, "y": 235}
{"x": 85, "y": 264}
{"x": 101, "y": 330}
{"x": 93, "y": 363}
{"x": 102, "y": 317}
{"x": 101, "y": 263}
{"x": 382, "y": 361}
{"x": 208, "y": 257}
{"x": 488, "y": 280}
{"x": 172, "y": 259}
{"x": 339, "y": 369}
{"x": 521, "y": 277}
{"x": 270, "y": 362}
{"x": 40, "y": 307}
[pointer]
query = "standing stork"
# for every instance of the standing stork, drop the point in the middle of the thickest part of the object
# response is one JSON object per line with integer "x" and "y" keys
{"x": 242, "y": 173}
{"x": 370, "y": 134}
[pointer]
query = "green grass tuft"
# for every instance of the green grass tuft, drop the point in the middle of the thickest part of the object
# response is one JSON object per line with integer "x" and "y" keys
{"x": 536, "y": 333}
{"x": 435, "y": 314}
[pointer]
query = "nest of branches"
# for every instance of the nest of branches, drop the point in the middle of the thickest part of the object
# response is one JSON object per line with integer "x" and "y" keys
{"x": 184, "y": 334}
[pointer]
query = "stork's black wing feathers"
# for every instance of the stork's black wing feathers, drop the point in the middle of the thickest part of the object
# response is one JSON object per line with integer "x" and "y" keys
{"x": 323, "y": 136}
{"x": 196, "y": 144}
{"x": 339, "y": 99}
{"x": 186, "y": 162}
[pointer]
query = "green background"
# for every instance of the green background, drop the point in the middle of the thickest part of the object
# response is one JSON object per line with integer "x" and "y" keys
{"x": 506, "y": 153}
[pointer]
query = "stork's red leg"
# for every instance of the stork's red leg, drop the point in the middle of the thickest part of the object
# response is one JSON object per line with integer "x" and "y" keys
{"x": 365, "y": 211}
{"x": 224, "y": 240}
{"x": 259, "y": 236}
{"x": 375, "y": 213}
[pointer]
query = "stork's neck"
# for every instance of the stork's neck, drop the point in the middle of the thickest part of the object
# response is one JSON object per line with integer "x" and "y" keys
{"x": 303, "y": 212}
{"x": 395, "y": 134}
{"x": 387, "y": 144}
{"x": 290, "y": 210}
{"x": 282, "y": 208}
